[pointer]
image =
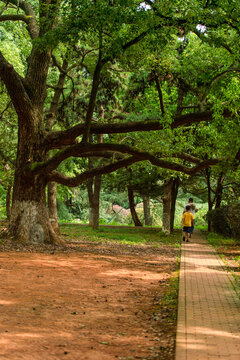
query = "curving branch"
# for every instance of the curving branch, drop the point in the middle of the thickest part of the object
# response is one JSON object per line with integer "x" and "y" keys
{"x": 14, "y": 17}
{"x": 15, "y": 86}
{"x": 79, "y": 179}
{"x": 216, "y": 79}
{"x": 58, "y": 139}
{"x": 187, "y": 157}
{"x": 81, "y": 149}
{"x": 29, "y": 18}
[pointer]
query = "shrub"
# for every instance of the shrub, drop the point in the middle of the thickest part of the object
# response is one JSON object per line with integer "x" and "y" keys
{"x": 226, "y": 220}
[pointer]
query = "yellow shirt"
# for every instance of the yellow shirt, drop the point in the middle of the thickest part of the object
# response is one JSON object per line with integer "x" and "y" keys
{"x": 187, "y": 219}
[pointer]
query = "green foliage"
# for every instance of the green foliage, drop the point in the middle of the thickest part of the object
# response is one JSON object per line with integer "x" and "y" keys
{"x": 63, "y": 211}
{"x": 226, "y": 220}
{"x": 197, "y": 67}
{"x": 218, "y": 240}
{"x": 3, "y": 194}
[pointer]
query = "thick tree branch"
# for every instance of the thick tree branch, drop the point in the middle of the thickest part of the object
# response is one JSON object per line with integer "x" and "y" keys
{"x": 29, "y": 18}
{"x": 61, "y": 138}
{"x": 15, "y": 86}
{"x": 71, "y": 182}
{"x": 51, "y": 114}
{"x": 84, "y": 149}
{"x": 14, "y": 17}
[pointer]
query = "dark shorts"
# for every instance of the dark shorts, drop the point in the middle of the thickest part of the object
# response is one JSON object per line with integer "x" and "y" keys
{"x": 188, "y": 229}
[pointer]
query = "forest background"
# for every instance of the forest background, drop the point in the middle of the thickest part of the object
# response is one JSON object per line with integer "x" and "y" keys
{"x": 118, "y": 102}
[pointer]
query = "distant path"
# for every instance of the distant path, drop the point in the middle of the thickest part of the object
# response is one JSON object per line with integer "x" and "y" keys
{"x": 209, "y": 308}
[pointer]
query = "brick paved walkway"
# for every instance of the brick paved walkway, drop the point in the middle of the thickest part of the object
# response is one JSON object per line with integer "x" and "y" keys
{"x": 209, "y": 308}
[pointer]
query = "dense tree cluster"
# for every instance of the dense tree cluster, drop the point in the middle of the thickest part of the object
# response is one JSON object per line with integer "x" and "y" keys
{"x": 108, "y": 84}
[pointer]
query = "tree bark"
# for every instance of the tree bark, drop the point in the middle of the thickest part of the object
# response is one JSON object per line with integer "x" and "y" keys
{"x": 29, "y": 221}
{"x": 94, "y": 187}
{"x": 8, "y": 201}
{"x": 52, "y": 206}
{"x": 210, "y": 203}
{"x": 174, "y": 192}
{"x": 134, "y": 214}
{"x": 166, "y": 227}
{"x": 147, "y": 211}
{"x": 51, "y": 115}
{"x": 219, "y": 191}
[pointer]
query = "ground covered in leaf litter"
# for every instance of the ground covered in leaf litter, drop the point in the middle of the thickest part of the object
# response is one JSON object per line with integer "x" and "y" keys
{"x": 86, "y": 300}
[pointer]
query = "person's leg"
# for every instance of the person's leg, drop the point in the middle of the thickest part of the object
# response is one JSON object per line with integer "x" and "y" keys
{"x": 192, "y": 228}
{"x": 184, "y": 235}
{"x": 187, "y": 235}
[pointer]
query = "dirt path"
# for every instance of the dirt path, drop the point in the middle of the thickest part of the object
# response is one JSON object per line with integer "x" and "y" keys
{"x": 86, "y": 301}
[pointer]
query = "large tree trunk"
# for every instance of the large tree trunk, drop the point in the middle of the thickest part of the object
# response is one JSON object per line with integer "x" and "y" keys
{"x": 29, "y": 221}
{"x": 134, "y": 214}
{"x": 147, "y": 211}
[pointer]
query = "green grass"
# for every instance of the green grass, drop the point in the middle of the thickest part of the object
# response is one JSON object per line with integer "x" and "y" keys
{"x": 170, "y": 299}
{"x": 123, "y": 235}
{"x": 217, "y": 240}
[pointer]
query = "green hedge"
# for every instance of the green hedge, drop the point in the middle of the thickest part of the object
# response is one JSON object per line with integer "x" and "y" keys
{"x": 226, "y": 220}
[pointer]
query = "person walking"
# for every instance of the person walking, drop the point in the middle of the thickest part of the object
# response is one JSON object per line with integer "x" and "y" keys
{"x": 187, "y": 223}
{"x": 193, "y": 210}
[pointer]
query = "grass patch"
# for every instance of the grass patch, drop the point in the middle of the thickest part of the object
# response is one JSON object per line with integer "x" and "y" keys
{"x": 217, "y": 240}
{"x": 122, "y": 235}
{"x": 170, "y": 300}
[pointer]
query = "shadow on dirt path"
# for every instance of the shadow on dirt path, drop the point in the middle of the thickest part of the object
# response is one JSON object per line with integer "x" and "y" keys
{"x": 86, "y": 301}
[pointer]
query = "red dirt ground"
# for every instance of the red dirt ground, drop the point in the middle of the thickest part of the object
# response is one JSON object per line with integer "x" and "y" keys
{"x": 86, "y": 301}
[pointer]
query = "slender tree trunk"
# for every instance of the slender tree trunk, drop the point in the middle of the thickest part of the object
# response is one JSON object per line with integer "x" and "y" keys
{"x": 8, "y": 201}
{"x": 167, "y": 199}
{"x": 210, "y": 203}
{"x": 219, "y": 191}
{"x": 174, "y": 192}
{"x": 160, "y": 95}
{"x": 147, "y": 211}
{"x": 52, "y": 206}
{"x": 50, "y": 117}
{"x": 94, "y": 187}
{"x": 134, "y": 214}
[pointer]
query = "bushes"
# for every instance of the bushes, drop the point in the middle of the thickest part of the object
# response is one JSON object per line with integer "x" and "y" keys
{"x": 226, "y": 220}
